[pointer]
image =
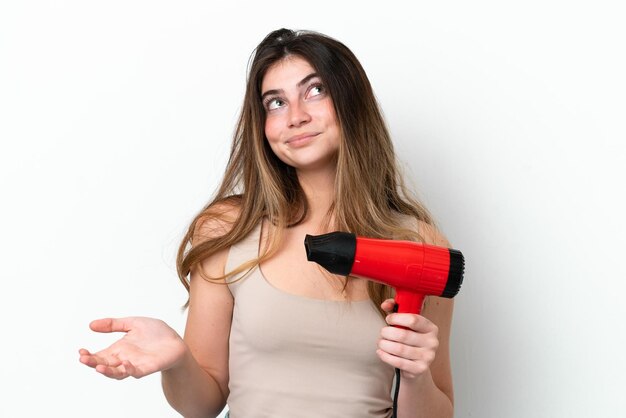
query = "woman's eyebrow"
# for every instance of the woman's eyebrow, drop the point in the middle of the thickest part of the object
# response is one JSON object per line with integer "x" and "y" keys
{"x": 306, "y": 79}
{"x": 299, "y": 84}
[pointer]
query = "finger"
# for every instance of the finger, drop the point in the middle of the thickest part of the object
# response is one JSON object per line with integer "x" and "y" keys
{"x": 413, "y": 368}
{"x": 88, "y": 359}
{"x": 407, "y": 336}
{"x": 388, "y": 305}
{"x": 118, "y": 372}
{"x": 110, "y": 325}
{"x": 130, "y": 369}
{"x": 95, "y": 360}
{"x": 404, "y": 351}
{"x": 414, "y": 322}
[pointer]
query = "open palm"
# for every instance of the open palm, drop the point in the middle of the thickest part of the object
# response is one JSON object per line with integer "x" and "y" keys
{"x": 149, "y": 345}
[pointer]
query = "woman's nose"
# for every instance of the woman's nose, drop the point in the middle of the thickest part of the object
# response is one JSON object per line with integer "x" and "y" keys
{"x": 298, "y": 114}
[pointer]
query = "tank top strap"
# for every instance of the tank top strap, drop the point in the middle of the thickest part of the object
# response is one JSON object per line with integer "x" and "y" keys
{"x": 245, "y": 250}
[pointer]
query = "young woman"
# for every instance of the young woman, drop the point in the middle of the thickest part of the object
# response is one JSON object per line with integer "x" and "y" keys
{"x": 269, "y": 333}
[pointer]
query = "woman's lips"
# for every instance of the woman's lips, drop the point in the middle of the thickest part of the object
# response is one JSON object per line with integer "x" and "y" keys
{"x": 301, "y": 139}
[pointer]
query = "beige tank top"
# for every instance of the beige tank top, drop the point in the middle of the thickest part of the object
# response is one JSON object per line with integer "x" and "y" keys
{"x": 293, "y": 356}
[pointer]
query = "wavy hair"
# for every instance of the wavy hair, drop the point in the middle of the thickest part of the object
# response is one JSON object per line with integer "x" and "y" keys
{"x": 370, "y": 196}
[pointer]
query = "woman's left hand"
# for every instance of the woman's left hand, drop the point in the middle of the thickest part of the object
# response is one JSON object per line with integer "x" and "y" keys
{"x": 411, "y": 350}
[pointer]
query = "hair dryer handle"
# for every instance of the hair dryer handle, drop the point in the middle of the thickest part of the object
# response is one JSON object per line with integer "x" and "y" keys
{"x": 408, "y": 302}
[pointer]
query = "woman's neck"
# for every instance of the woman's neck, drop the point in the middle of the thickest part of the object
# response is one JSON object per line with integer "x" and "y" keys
{"x": 319, "y": 189}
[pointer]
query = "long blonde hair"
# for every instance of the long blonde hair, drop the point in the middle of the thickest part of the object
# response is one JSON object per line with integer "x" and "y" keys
{"x": 370, "y": 195}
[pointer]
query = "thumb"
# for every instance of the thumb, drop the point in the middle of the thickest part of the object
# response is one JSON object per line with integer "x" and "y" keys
{"x": 110, "y": 325}
{"x": 388, "y": 305}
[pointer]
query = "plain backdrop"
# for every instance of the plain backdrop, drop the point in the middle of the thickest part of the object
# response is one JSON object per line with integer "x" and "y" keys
{"x": 508, "y": 117}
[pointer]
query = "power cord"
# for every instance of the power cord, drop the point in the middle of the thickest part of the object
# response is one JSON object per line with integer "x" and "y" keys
{"x": 395, "y": 394}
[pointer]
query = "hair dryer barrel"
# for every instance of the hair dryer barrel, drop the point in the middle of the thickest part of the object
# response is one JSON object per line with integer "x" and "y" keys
{"x": 408, "y": 266}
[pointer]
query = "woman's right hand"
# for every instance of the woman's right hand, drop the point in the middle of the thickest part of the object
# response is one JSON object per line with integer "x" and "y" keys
{"x": 148, "y": 346}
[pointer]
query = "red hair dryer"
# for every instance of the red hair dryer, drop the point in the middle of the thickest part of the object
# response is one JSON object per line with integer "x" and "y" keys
{"x": 413, "y": 269}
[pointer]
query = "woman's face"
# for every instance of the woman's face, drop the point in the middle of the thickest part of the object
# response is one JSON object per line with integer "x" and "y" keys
{"x": 300, "y": 125}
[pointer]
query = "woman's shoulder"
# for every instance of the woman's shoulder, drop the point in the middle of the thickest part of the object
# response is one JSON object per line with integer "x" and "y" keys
{"x": 432, "y": 235}
{"x": 428, "y": 232}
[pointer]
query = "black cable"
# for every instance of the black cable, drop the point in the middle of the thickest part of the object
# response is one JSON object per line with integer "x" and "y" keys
{"x": 395, "y": 394}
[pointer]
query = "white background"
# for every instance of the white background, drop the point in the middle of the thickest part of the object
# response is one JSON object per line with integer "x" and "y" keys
{"x": 115, "y": 122}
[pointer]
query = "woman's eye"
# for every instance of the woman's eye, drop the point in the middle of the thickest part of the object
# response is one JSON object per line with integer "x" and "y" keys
{"x": 316, "y": 90}
{"x": 274, "y": 104}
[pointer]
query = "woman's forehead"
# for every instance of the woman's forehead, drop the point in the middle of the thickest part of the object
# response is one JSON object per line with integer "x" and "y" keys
{"x": 286, "y": 73}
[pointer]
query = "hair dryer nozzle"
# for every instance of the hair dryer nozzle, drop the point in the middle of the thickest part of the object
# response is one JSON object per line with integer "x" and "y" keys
{"x": 334, "y": 251}
{"x": 455, "y": 274}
